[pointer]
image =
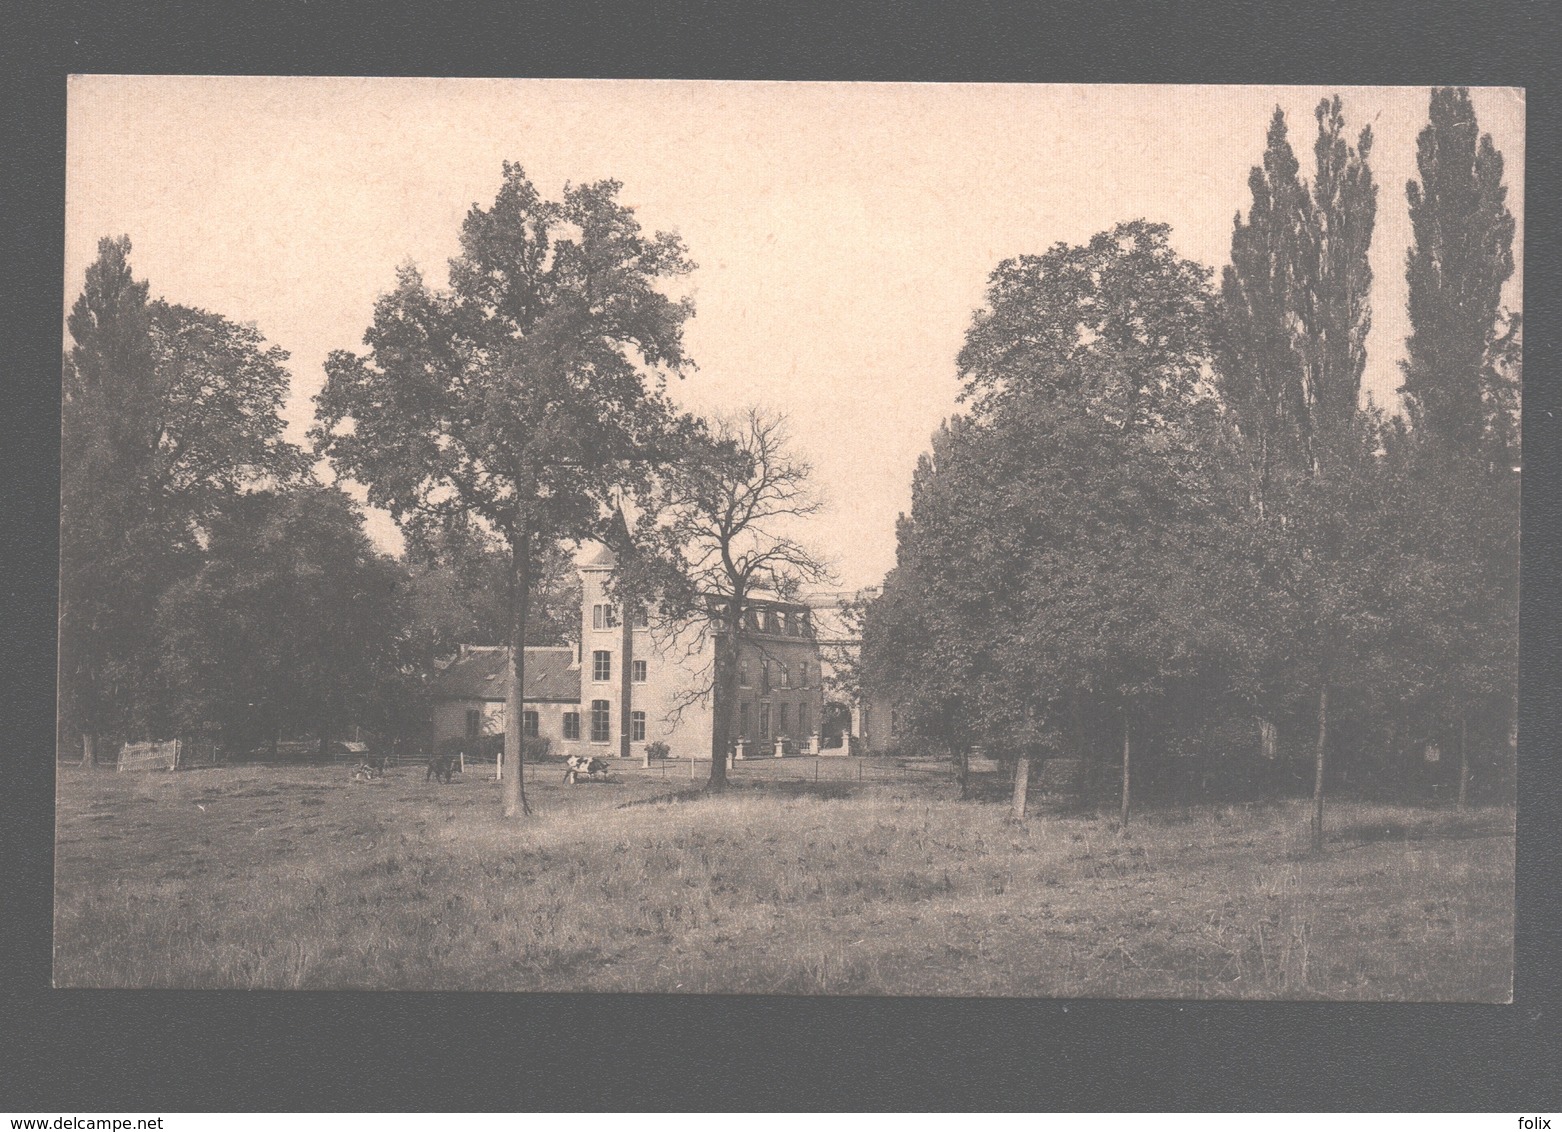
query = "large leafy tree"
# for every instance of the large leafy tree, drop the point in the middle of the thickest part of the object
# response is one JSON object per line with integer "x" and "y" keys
{"x": 1065, "y": 541}
{"x": 291, "y": 624}
{"x": 527, "y": 395}
{"x": 169, "y": 414}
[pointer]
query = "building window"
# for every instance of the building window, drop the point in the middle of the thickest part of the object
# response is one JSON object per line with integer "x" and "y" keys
{"x": 764, "y": 721}
{"x": 572, "y": 725}
{"x": 805, "y": 625}
{"x": 640, "y": 672}
{"x": 802, "y": 675}
{"x": 785, "y": 725}
{"x": 805, "y": 720}
{"x": 751, "y": 619}
{"x": 786, "y": 676}
{"x": 601, "y": 666}
{"x": 743, "y": 674}
{"x": 786, "y": 623}
{"x": 770, "y": 620}
{"x": 764, "y": 677}
{"x": 742, "y": 720}
{"x": 474, "y": 722}
{"x": 601, "y": 729}
{"x": 637, "y": 726}
{"x": 642, "y": 617}
{"x": 529, "y": 724}
{"x": 604, "y": 616}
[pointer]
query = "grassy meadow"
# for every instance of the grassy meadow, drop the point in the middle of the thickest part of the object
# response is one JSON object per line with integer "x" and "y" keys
{"x": 282, "y": 877}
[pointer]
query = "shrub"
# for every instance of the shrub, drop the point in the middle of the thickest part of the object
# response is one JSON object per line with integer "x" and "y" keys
{"x": 656, "y": 750}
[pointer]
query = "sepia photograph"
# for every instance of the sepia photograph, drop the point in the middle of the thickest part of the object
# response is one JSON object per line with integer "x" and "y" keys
{"x": 812, "y": 538}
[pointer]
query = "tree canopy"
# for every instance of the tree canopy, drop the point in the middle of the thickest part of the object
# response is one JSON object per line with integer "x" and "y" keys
{"x": 529, "y": 395}
{"x": 169, "y": 415}
{"x": 292, "y": 622}
{"x": 1062, "y": 558}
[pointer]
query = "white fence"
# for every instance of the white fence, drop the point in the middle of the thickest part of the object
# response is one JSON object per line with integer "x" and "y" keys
{"x": 149, "y": 756}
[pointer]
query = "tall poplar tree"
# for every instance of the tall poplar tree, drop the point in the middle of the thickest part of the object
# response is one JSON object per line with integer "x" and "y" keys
{"x": 1461, "y": 391}
{"x": 1333, "y": 280}
{"x": 1259, "y": 374}
{"x": 1296, "y": 312}
{"x": 1456, "y": 268}
{"x": 528, "y": 395}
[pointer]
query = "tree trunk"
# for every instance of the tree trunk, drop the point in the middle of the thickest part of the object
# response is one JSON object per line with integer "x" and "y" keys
{"x": 1464, "y": 760}
{"x": 1323, "y": 741}
{"x": 1125, "y": 770}
{"x": 512, "y": 792}
{"x": 724, "y": 703}
{"x": 1021, "y": 787}
{"x": 625, "y": 677}
{"x": 89, "y": 748}
{"x": 963, "y": 771}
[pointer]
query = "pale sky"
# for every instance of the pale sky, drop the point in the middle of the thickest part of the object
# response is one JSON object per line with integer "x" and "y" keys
{"x": 844, "y": 232}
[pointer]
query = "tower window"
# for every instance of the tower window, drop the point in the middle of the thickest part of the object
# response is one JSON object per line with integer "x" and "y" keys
{"x": 601, "y": 665}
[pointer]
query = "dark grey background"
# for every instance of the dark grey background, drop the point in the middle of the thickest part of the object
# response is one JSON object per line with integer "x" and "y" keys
{"x": 83, "y": 1051}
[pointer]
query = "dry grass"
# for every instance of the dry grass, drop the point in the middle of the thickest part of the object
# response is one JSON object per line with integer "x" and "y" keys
{"x": 292, "y": 877}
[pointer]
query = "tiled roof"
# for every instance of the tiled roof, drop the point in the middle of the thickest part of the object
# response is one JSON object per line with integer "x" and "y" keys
{"x": 481, "y": 675}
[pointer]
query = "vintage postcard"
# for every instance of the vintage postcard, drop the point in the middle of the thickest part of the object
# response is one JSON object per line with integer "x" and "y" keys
{"x": 804, "y": 538}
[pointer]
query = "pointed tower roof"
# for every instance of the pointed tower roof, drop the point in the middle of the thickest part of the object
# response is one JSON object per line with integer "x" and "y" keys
{"x": 600, "y": 559}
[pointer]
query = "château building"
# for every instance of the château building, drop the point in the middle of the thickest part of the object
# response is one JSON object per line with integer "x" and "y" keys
{"x": 575, "y": 697}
